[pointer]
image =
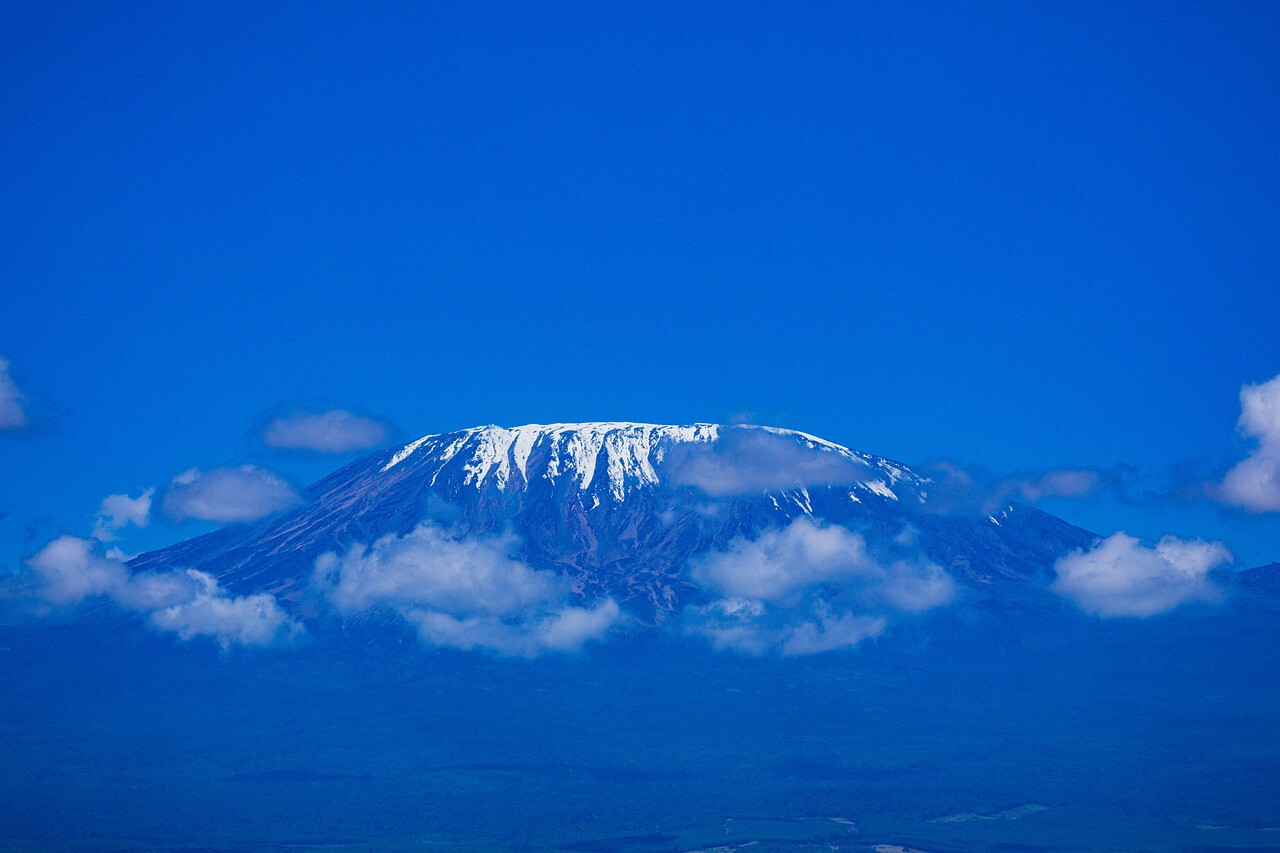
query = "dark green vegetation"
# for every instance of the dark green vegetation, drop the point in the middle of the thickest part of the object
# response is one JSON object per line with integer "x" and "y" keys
{"x": 1155, "y": 734}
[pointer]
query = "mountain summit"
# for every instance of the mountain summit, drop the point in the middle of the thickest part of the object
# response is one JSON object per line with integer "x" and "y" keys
{"x": 625, "y": 456}
{"x": 620, "y": 509}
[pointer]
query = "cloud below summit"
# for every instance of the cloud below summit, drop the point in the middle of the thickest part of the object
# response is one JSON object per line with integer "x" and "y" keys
{"x": 466, "y": 593}
{"x": 1119, "y": 576}
{"x": 808, "y": 588}
{"x": 1254, "y": 483}
{"x": 188, "y": 603}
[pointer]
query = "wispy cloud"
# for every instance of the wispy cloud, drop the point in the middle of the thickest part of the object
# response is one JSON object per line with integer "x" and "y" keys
{"x": 752, "y": 460}
{"x": 188, "y": 603}
{"x": 828, "y": 632}
{"x": 464, "y": 592}
{"x": 748, "y": 626}
{"x": 12, "y": 414}
{"x": 1119, "y": 576}
{"x": 334, "y": 431}
{"x": 244, "y": 493}
{"x": 808, "y": 588}
{"x": 565, "y": 629}
{"x": 117, "y": 511}
{"x": 1254, "y": 483}
{"x": 961, "y": 490}
{"x": 1058, "y": 483}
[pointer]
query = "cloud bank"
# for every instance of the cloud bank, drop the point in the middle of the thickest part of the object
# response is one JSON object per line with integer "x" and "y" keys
{"x": 1118, "y": 576}
{"x": 807, "y": 588}
{"x": 465, "y": 593}
{"x": 335, "y": 431}
{"x": 225, "y": 495}
{"x": 12, "y": 415}
{"x": 187, "y": 603}
{"x": 1255, "y": 482}
{"x": 750, "y": 461}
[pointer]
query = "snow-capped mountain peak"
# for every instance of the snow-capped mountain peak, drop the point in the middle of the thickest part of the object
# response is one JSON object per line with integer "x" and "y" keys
{"x": 616, "y": 455}
{"x": 618, "y": 508}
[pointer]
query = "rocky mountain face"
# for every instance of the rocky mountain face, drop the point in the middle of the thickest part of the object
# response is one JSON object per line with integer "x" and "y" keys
{"x": 621, "y": 509}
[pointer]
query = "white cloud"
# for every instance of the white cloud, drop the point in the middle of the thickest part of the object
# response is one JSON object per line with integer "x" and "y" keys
{"x": 70, "y": 571}
{"x": 12, "y": 415}
{"x": 245, "y": 493}
{"x": 335, "y": 431}
{"x": 464, "y": 593}
{"x": 1254, "y": 483}
{"x": 429, "y": 567}
{"x": 806, "y": 588}
{"x": 1118, "y": 576}
{"x": 249, "y": 620}
{"x": 189, "y": 603}
{"x": 120, "y": 510}
{"x": 750, "y": 461}
{"x": 783, "y": 561}
{"x": 144, "y": 591}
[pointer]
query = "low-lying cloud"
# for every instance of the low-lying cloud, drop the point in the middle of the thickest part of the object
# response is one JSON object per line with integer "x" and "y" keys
{"x": 1119, "y": 576}
{"x": 466, "y": 593}
{"x": 118, "y": 511}
{"x": 12, "y": 415}
{"x": 750, "y": 460}
{"x": 1254, "y": 483}
{"x": 70, "y": 571}
{"x": 251, "y": 620}
{"x": 565, "y": 629}
{"x": 188, "y": 603}
{"x": 334, "y": 431}
{"x": 808, "y": 588}
{"x": 245, "y": 493}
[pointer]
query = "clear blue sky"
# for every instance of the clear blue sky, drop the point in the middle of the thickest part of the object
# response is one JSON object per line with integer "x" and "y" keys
{"x": 1018, "y": 235}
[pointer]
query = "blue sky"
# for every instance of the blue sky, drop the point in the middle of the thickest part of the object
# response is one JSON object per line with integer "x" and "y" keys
{"x": 1015, "y": 237}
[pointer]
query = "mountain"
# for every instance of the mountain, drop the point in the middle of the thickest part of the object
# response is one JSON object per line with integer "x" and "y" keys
{"x": 620, "y": 508}
{"x": 1007, "y": 719}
